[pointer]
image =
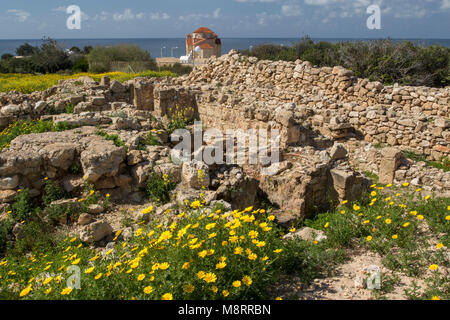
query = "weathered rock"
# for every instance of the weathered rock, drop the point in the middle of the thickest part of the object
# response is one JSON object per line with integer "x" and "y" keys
{"x": 338, "y": 152}
{"x": 307, "y": 234}
{"x": 101, "y": 158}
{"x": 95, "y": 231}
{"x": 190, "y": 174}
{"x": 9, "y": 183}
{"x": 84, "y": 219}
{"x": 389, "y": 164}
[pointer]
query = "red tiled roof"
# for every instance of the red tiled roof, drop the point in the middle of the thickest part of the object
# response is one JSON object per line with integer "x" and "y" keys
{"x": 203, "y": 30}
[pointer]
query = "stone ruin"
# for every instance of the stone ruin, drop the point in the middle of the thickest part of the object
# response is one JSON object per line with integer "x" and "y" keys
{"x": 334, "y": 129}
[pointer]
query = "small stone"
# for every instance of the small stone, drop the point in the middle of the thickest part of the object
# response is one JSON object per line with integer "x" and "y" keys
{"x": 84, "y": 219}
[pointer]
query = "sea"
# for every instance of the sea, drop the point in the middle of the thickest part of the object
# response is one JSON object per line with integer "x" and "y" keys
{"x": 176, "y": 47}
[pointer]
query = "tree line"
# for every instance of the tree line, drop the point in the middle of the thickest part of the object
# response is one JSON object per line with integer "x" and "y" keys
{"x": 51, "y": 57}
{"x": 383, "y": 60}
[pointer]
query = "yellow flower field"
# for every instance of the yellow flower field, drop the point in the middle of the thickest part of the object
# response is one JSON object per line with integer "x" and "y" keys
{"x": 28, "y": 83}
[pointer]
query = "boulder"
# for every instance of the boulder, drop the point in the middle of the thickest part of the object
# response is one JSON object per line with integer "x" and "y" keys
{"x": 96, "y": 231}
{"x": 190, "y": 174}
{"x": 101, "y": 158}
{"x": 9, "y": 183}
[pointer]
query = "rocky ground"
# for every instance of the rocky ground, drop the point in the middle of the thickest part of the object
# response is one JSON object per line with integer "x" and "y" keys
{"x": 331, "y": 150}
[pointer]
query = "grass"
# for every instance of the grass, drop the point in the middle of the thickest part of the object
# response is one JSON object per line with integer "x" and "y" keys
{"x": 443, "y": 164}
{"x": 22, "y": 127}
{"x": 399, "y": 225}
{"x": 28, "y": 83}
{"x": 112, "y": 137}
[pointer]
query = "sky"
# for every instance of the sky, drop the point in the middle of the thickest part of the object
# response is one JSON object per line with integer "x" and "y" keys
{"x": 34, "y": 19}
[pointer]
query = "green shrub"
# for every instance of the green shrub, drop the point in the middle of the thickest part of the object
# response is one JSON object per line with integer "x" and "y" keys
{"x": 22, "y": 208}
{"x": 52, "y": 192}
{"x": 112, "y": 137}
{"x": 378, "y": 60}
{"x": 158, "y": 188}
{"x": 100, "y": 58}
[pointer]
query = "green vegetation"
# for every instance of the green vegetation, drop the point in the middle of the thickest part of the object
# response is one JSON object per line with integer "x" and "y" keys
{"x": 22, "y": 127}
{"x": 378, "y": 60}
{"x": 28, "y": 83}
{"x": 101, "y": 58}
{"x": 180, "y": 118}
{"x": 391, "y": 223}
{"x": 113, "y": 137}
{"x": 158, "y": 187}
{"x": 443, "y": 164}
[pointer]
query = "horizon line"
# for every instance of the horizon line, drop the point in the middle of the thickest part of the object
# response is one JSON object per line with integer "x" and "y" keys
{"x": 157, "y": 38}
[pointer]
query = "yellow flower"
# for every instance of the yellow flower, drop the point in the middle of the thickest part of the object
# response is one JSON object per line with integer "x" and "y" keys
{"x": 447, "y": 218}
{"x": 405, "y": 184}
{"x": 252, "y": 256}
{"x": 221, "y": 265}
{"x": 77, "y": 261}
{"x": 201, "y": 274}
{"x": 435, "y": 298}
{"x": 253, "y": 234}
{"x": 196, "y": 204}
{"x": 141, "y": 277}
{"x": 189, "y": 288}
{"x": 225, "y": 293}
{"x": 89, "y": 270}
{"x": 420, "y": 217}
{"x": 366, "y": 221}
{"x": 388, "y": 221}
{"x": 439, "y": 245}
{"x": 98, "y": 276}
{"x": 373, "y": 193}
{"x": 427, "y": 197}
{"x": 210, "y": 226}
{"x": 236, "y": 284}
{"x": 25, "y": 291}
{"x": 164, "y": 266}
{"x": 66, "y": 291}
{"x": 48, "y": 291}
{"x": 271, "y": 218}
{"x": 369, "y": 238}
{"x": 433, "y": 267}
{"x": 47, "y": 281}
{"x": 326, "y": 225}
{"x": 395, "y": 237}
{"x": 247, "y": 280}
{"x": 210, "y": 277}
{"x": 292, "y": 229}
{"x": 406, "y": 224}
{"x": 148, "y": 290}
{"x": 185, "y": 266}
{"x": 238, "y": 250}
{"x": 278, "y": 298}
{"x": 277, "y": 250}
{"x": 167, "y": 296}
{"x": 356, "y": 207}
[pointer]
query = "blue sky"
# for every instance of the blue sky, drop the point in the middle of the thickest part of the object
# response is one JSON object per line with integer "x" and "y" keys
{"x": 31, "y": 19}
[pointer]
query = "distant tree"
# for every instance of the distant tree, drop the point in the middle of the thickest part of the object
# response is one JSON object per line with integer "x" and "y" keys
{"x": 87, "y": 49}
{"x": 50, "y": 57}
{"x": 81, "y": 64}
{"x": 7, "y": 56}
{"x": 26, "y": 49}
{"x": 100, "y": 58}
{"x": 75, "y": 49}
